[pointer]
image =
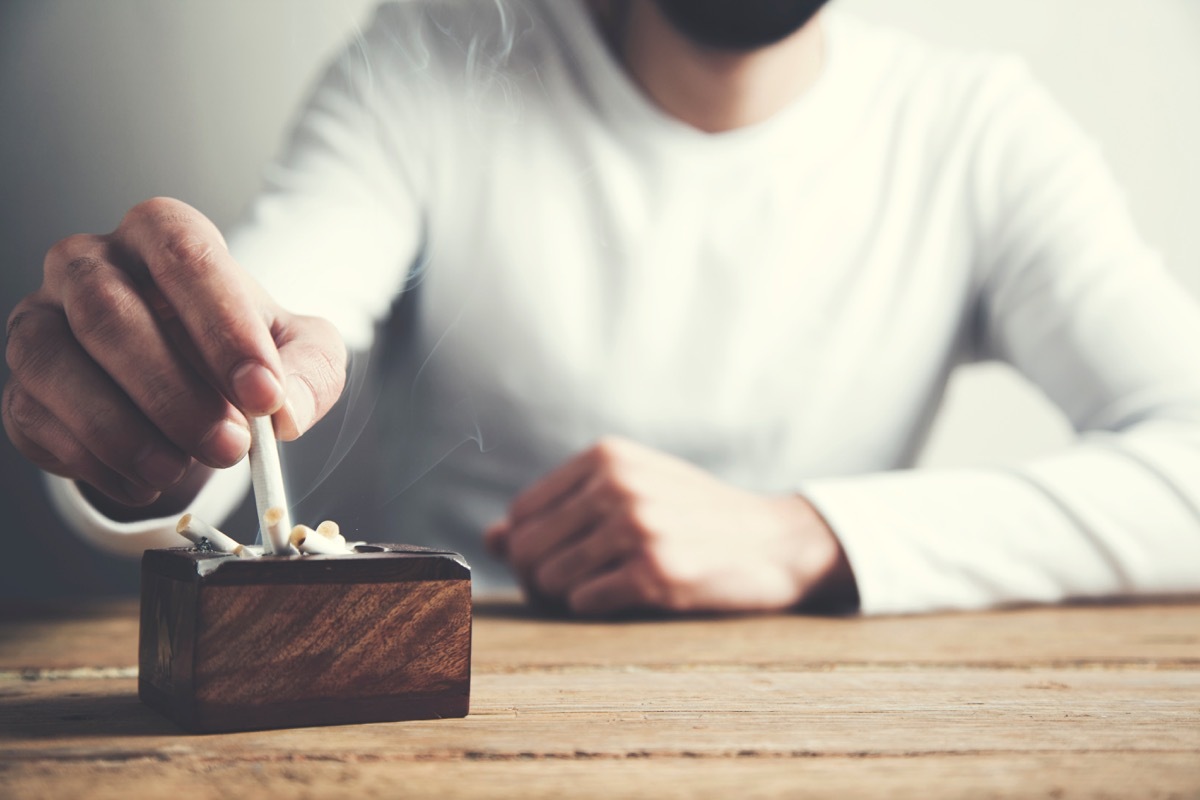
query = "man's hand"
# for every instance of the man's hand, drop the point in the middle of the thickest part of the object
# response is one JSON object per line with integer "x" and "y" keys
{"x": 623, "y": 527}
{"x": 144, "y": 350}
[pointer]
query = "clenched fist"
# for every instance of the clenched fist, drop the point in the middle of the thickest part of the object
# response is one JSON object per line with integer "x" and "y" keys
{"x": 623, "y": 527}
{"x": 135, "y": 364}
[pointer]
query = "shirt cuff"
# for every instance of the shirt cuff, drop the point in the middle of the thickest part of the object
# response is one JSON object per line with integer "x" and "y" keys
{"x": 938, "y": 540}
{"x": 215, "y": 502}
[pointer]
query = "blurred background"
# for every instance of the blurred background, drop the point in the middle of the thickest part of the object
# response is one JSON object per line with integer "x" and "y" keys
{"x": 104, "y": 104}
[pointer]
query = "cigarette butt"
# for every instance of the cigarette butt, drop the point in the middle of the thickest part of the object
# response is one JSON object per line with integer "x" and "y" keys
{"x": 275, "y": 539}
{"x": 309, "y": 541}
{"x": 331, "y": 530}
{"x": 298, "y": 535}
{"x": 196, "y": 530}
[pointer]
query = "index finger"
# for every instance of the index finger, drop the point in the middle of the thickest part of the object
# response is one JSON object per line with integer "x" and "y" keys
{"x": 215, "y": 301}
{"x": 553, "y": 487}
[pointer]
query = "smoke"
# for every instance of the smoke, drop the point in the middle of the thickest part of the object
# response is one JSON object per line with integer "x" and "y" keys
{"x": 483, "y": 35}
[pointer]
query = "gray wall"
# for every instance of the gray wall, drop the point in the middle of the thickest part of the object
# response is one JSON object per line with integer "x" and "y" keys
{"x": 107, "y": 102}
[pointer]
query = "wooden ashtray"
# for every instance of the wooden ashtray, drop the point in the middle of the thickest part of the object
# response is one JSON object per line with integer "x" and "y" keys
{"x": 380, "y": 634}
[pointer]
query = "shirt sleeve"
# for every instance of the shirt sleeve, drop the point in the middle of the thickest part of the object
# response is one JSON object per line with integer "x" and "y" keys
{"x": 333, "y": 233}
{"x": 1071, "y": 296}
{"x": 339, "y": 221}
{"x": 215, "y": 502}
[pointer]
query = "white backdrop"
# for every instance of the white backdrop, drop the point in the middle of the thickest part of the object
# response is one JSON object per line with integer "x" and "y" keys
{"x": 107, "y": 103}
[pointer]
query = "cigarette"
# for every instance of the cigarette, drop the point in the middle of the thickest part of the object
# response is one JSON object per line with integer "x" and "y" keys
{"x": 331, "y": 530}
{"x": 267, "y": 477}
{"x": 275, "y": 531}
{"x": 197, "y": 530}
{"x": 306, "y": 540}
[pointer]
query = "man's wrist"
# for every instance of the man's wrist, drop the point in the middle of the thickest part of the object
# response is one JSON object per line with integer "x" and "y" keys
{"x": 824, "y": 579}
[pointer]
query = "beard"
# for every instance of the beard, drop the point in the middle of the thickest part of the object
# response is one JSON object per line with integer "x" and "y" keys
{"x": 738, "y": 25}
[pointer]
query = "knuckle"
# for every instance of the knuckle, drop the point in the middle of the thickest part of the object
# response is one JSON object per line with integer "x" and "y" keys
{"x": 611, "y": 443}
{"x": 656, "y": 585}
{"x": 24, "y": 413}
{"x": 327, "y": 374}
{"x": 546, "y": 578}
{"x": 616, "y": 495}
{"x": 171, "y": 404}
{"x": 23, "y": 418}
{"x": 520, "y": 553}
{"x": 605, "y": 453}
{"x": 100, "y": 308}
{"x": 216, "y": 333}
{"x": 96, "y": 430}
{"x": 581, "y": 601}
{"x": 82, "y": 267}
{"x": 637, "y": 527}
{"x": 326, "y": 331}
{"x": 157, "y": 211}
{"x": 32, "y": 341}
{"x": 190, "y": 255}
{"x": 18, "y": 315}
{"x": 66, "y": 250}
{"x": 655, "y": 569}
{"x": 334, "y": 356}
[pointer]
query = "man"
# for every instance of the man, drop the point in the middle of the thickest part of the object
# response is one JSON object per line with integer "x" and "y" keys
{"x": 694, "y": 275}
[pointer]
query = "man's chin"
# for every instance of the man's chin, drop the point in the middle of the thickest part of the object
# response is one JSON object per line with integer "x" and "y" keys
{"x": 738, "y": 25}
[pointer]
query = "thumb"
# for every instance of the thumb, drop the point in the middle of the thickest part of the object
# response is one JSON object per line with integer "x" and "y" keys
{"x": 314, "y": 366}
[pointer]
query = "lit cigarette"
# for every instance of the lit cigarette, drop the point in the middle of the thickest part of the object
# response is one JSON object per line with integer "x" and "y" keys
{"x": 267, "y": 477}
{"x": 275, "y": 531}
{"x": 197, "y": 530}
{"x": 331, "y": 530}
{"x": 306, "y": 540}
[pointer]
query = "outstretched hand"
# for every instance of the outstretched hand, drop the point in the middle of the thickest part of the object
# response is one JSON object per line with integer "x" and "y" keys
{"x": 622, "y": 527}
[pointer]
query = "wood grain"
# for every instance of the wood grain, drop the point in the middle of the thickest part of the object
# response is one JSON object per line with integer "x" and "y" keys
{"x": 1086, "y": 701}
{"x": 321, "y": 641}
{"x": 258, "y": 645}
{"x": 1159, "y": 635}
{"x": 666, "y": 714}
{"x": 1062, "y": 776}
{"x": 1162, "y": 635}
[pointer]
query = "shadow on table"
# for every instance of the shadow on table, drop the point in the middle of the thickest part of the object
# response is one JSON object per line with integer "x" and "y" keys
{"x": 68, "y": 610}
{"x": 79, "y": 715}
{"x": 545, "y": 611}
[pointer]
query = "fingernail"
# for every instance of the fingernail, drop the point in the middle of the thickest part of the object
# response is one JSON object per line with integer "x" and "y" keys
{"x": 255, "y": 388}
{"x": 225, "y": 444}
{"x": 159, "y": 467}
{"x": 300, "y": 404}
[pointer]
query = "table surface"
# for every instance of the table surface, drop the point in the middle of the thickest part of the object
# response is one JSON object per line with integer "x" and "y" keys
{"x": 1080, "y": 701}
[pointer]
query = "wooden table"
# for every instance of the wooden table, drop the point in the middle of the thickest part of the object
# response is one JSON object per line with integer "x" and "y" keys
{"x": 1062, "y": 702}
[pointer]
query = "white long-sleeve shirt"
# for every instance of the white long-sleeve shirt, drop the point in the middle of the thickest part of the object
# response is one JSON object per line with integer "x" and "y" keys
{"x": 780, "y": 304}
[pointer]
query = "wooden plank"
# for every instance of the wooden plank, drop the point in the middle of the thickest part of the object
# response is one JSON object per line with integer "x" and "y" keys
{"x": 507, "y": 638}
{"x": 93, "y": 634}
{"x": 1163, "y": 635}
{"x": 1110, "y": 775}
{"x": 623, "y": 714}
